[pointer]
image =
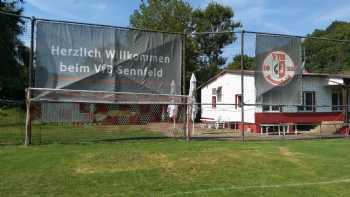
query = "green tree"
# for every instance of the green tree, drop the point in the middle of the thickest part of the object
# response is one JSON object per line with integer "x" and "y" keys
{"x": 203, "y": 52}
{"x": 12, "y": 52}
{"x": 214, "y": 18}
{"x": 328, "y": 56}
{"x": 249, "y": 63}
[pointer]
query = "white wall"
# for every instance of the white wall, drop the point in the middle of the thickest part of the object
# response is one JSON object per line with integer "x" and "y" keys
{"x": 231, "y": 85}
{"x": 323, "y": 93}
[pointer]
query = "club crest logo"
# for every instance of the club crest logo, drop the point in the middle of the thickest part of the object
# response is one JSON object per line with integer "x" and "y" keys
{"x": 278, "y": 68}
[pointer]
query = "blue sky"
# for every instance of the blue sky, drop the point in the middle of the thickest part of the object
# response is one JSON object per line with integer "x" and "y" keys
{"x": 298, "y": 17}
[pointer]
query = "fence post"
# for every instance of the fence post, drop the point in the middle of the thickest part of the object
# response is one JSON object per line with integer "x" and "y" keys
{"x": 28, "y": 127}
{"x": 183, "y": 60}
{"x": 187, "y": 120}
{"x": 28, "y": 124}
{"x": 242, "y": 85}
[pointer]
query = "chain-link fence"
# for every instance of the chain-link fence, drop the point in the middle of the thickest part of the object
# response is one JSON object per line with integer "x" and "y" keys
{"x": 289, "y": 87}
{"x": 223, "y": 121}
{"x": 12, "y": 120}
{"x": 114, "y": 116}
{"x": 230, "y": 106}
{"x": 87, "y": 122}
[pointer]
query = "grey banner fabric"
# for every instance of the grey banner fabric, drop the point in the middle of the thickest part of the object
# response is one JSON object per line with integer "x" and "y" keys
{"x": 278, "y": 70}
{"x": 89, "y": 57}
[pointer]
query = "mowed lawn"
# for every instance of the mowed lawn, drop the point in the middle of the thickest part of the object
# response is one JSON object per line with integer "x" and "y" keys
{"x": 168, "y": 167}
{"x": 93, "y": 160}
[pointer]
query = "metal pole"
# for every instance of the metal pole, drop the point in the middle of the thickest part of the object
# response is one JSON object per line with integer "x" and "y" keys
{"x": 242, "y": 84}
{"x": 345, "y": 101}
{"x": 192, "y": 127}
{"x": 183, "y": 59}
{"x": 31, "y": 55}
{"x": 289, "y": 35}
{"x": 106, "y": 92}
{"x": 184, "y": 85}
{"x": 346, "y": 109}
{"x": 108, "y": 26}
{"x": 187, "y": 121}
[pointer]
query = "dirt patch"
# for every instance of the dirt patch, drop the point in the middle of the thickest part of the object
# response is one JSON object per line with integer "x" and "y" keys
{"x": 285, "y": 151}
{"x": 168, "y": 129}
{"x": 291, "y": 157}
{"x": 104, "y": 163}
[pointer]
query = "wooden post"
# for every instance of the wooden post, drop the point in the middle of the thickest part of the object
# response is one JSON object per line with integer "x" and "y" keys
{"x": 28, "y": 136}
{"x": 28, "y": 125}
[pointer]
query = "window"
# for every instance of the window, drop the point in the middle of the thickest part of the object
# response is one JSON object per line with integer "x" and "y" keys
{"x": 337, "y": 100}
{"x": 219, "y": 94}
{"x": 238, "y": 100}
{"x": 266, "y": 107}
{"x": 309, "y": 100}
{"x": 213, "y": 98}
{"x": 272, "y": 108}
{"x": 276, "y": 108}
{"x": 213, "y": 91}
{"x": 213, "y": 101}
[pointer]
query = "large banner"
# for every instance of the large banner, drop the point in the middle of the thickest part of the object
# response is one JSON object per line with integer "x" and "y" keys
{"x": 278, "y": 70}
{"x": 88, "y": 57}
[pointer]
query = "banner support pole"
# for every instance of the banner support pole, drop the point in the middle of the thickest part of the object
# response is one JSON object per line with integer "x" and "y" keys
{"x": 242, "y": 86}
{"x": 31, "y": 54}
{"x": 183, "y": 68}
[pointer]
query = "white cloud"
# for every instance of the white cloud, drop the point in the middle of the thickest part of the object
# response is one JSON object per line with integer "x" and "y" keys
{"x": 342, "y": 13}
{"x": 255, "y": 15}
{"x": 242, "y": 8}
{"x": 51, "y": 8}
{"x": 273, "y": 27}
{"x": 68, "y": 9}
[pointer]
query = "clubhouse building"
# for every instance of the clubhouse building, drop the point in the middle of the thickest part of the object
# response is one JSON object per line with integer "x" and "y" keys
{"x": 322, "y": 97}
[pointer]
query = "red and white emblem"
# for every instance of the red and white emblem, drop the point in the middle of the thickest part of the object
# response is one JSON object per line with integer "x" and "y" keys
{"x": 278, "y": 68}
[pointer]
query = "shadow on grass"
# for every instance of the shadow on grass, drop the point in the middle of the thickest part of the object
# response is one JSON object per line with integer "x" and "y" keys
{"x": 110, "y": 140}
{"x": 126, "y": 139}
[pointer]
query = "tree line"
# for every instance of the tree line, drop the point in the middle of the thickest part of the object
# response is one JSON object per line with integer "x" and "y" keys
{"x": 14, "y": 55}
{"x": 203, "y": 52}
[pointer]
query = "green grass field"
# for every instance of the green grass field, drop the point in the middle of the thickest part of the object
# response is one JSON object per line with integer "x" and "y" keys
{"x": 119, "y": 161}
{"x": 170, "y": 167}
